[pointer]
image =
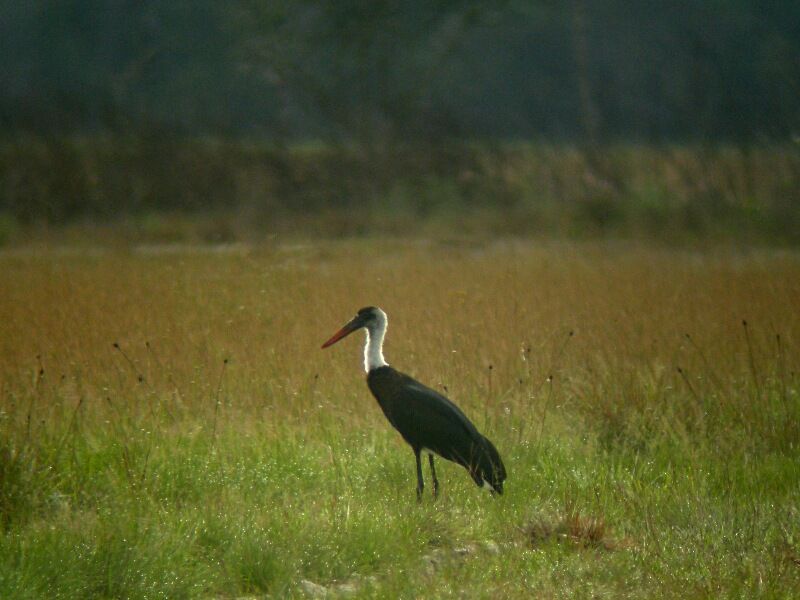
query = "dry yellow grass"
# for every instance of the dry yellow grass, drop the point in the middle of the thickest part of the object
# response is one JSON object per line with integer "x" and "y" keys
{"x": 455, "y": 310}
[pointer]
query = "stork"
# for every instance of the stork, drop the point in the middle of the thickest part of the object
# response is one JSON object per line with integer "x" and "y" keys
{"x": 428, "y": 421}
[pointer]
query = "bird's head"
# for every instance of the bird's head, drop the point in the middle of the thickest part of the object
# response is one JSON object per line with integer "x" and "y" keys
{"x": 370, "y": 317}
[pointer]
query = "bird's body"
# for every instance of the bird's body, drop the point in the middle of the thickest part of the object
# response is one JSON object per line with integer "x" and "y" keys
{"x": 427, "y": 420}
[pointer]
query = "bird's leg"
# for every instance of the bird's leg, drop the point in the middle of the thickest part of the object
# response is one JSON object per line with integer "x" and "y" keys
{"x": 420, "y": 483}
{"x": 433, "y": 476}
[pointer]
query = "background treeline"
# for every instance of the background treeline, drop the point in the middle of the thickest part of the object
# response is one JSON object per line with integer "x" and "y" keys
{"x": 518, "y": 117}
{"x": 648, "y": 70}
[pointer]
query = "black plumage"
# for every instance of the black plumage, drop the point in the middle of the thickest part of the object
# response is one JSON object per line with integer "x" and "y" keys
{"x": 426, "y": 419}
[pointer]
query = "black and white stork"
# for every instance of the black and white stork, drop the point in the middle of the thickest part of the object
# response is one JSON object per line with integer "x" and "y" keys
{"x": 427, "y": 420}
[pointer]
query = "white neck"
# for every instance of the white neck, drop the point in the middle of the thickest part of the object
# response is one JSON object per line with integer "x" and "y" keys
{"x": 373, "y": 349}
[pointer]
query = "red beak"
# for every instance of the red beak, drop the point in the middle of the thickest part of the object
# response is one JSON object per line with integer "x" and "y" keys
{"x": 344, "y": 332}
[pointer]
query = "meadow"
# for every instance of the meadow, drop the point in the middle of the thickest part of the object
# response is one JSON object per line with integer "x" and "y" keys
{"x": 170, "y": 427}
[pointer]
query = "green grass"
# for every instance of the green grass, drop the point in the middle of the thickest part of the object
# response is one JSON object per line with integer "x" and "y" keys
{"x": 155, "y": 469}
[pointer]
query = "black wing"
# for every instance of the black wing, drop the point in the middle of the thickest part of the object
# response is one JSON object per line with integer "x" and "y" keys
{"x": 427, "y": 419}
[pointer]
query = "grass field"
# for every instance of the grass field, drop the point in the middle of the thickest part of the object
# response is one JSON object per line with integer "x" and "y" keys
{"x": 170, "y": 428}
